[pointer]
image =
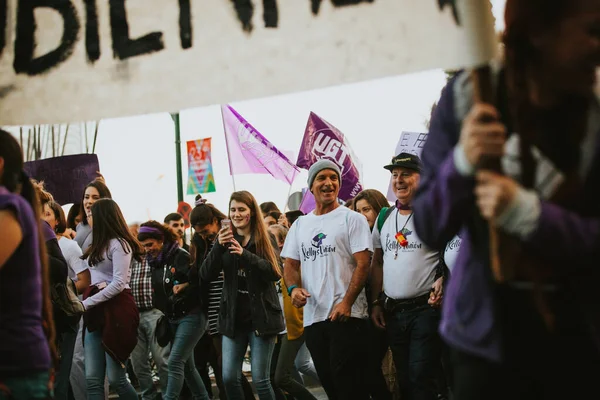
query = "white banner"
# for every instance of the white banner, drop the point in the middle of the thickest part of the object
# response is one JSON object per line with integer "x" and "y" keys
{"x": 70, "y": 60}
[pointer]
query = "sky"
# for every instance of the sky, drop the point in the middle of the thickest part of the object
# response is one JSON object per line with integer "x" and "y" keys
{"x": 137, "y": 154}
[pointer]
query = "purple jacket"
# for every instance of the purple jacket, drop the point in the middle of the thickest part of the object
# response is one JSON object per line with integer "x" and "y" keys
{"x": 445, "y": 205}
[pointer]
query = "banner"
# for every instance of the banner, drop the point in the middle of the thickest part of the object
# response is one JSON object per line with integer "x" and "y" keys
{"x": 200, "y": 172}
{"x": 66, "y": 176}
{"x": 323, "y": 140}
{"x": 410, "y": 142}
{"x": 76, "y": 60}
{"x": 250, "y": 152}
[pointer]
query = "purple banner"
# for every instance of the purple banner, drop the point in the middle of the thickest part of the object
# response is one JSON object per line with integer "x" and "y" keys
{"x": 66, "y": 176}
{"x": 323, "y": 140}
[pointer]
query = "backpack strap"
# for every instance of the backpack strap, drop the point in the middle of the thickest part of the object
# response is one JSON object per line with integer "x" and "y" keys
{"x": 383, "y": 215}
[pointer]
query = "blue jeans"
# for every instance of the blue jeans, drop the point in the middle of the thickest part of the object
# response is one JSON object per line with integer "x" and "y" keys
{"x": 139, "y": 357}
{"x": 98, "y": 364}
{"x": 417, "y": 350}
{"x": 187, "y": 331}
{"x": 32, "y": 386}
{"x": 234, "y": 350}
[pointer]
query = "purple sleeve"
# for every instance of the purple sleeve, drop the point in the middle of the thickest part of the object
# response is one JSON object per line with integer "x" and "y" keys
{"x": 565, "y": 237}
{"x": 445, "y": 198}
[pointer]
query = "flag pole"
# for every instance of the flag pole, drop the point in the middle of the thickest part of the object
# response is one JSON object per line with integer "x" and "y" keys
{"x": 484, "y": 92}
{"x": 227, "y": 146}
{"x": 287, "y": 199}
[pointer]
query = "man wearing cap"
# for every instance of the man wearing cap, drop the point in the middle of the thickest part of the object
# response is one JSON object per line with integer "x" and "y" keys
{"x": 406, "y": 283}
{"x": 331, "y": 246}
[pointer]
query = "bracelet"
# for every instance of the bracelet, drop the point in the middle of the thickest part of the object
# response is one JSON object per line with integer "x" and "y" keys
{"x": 290, "y": 289}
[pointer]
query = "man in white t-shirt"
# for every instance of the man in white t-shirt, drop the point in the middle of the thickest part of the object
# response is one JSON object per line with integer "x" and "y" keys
{"x": 406, "y": 283}
{"x": 332, "y": 246}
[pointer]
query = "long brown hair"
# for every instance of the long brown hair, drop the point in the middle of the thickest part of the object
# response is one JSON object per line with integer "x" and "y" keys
{"x": 109, "y": 224}
{"x": 375, "y": 198}
{"x": 102, "y": 191}
{"x": 15, "y": 180}
{"x": 262, "y": 238}
{"x": 544, "y": 128}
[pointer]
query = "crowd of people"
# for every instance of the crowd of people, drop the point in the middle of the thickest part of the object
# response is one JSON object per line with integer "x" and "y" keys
{"x": 479, "y": 284}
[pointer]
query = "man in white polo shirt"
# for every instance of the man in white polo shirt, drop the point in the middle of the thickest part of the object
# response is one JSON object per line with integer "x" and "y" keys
{"x": 332, "y": 246}
{"x": 406, "y": 283}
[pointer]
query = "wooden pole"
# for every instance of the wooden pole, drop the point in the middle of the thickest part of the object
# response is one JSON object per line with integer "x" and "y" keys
{"x": 484, "y": 93}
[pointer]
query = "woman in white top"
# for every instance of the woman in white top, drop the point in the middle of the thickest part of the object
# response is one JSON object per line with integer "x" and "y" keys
{"x": 78, "y": 269}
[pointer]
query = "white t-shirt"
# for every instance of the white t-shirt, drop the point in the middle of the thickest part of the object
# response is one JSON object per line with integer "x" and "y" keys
{"x": 324, "y": 245}
{"x": 451, "y": 252}
{"x": 72, "y": 253}
{"x": 412, "y": 272}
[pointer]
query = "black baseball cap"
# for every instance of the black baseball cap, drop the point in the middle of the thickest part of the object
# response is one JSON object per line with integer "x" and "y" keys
{"x": 405, "y": 160}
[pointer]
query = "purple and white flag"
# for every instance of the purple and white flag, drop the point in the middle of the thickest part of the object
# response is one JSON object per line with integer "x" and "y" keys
{"x": 323, "y": 140}
{"x": 410, "y": 142}
{"x": 250, "y": 152}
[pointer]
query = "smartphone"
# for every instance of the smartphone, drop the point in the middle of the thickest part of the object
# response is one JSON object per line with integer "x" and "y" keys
{"x": 226, "y": 223}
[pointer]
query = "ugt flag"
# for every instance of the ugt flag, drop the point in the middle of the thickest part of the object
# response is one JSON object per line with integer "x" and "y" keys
{"x": 200, "y": 173}
{"x": 250, "y": 152}
{"x": 323, "y": 140}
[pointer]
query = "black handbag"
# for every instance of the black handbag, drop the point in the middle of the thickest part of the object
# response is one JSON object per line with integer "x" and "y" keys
{"x": 64, "y": 296}
{"x": 163, "y": 332}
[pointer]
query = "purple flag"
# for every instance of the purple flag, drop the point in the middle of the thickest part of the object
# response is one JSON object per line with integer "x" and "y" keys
{"x": 410, "y": 142}
{"x": 308, "y": 202}
{"x": 66, "y": 176}
{"x": 250, "y": 152}
{"x": 323, "y": 140}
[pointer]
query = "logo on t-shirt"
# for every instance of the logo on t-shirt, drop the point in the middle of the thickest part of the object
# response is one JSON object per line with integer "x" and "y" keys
{"x": 317, "y": 249}
{"x": 391, "y": 244}
{"x": 317, "y": 241}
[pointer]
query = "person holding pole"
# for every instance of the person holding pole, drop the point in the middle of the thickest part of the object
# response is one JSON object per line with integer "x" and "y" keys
{"x": 528, "y": 329}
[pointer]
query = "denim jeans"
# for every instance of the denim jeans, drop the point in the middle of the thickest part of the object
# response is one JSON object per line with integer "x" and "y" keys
{"x": 139, "y": 357}
{"x": 32, "y": 386}
{"x": 234, "y": 350}
{"x": 417, "y": 351}
{"x": 187, "y": 331}
{"x": 67, "y": 345}
{"x": 98, "y": 364}
{"x": 284, "y": 374}
{"x": 339, "y": 351}
{"x": 304, "y": 363}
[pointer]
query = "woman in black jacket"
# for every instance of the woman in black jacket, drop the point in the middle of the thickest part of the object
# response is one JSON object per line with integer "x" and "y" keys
{"x": 250, "y": 312}
{"x": 175, "y": 293}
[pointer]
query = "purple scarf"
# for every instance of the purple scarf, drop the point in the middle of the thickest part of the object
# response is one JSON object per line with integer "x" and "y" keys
{"x": 165, "y": 254}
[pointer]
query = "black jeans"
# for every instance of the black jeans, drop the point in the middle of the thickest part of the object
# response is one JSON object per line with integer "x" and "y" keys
{"x": 417, "y": 351}
{"x": 538, "y": 363}
{"x": 378, "y": 347}
{"x": 339, "y": 351}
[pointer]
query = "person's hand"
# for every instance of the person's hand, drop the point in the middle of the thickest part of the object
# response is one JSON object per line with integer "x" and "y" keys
{"x": 100, "y": 177}
{"x": 299, "y": 297}
{"x": 482, "y": 134}
{"x": 69, "y": 233}
{"x": 235, "y": 247}
{"x": 378, "y": 316}
{"x": 283, "y": 221}
{"x": 435, "y": 296}
{"x": 180, "y": 288}
{"x": 494, "y": 193}
{"x": 225, "y": 237}
{"x": 341, "y": 312}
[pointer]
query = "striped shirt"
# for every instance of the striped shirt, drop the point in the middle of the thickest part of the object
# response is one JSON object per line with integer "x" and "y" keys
{"x": 214, "y": 303}
{"x": 141, "y": 284}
